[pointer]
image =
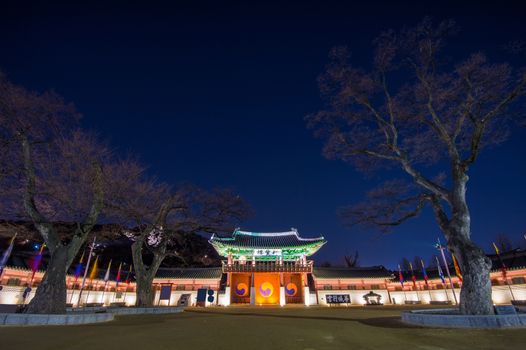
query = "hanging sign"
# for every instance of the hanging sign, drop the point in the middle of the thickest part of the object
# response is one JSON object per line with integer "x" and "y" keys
{"x": 267, "y": 252}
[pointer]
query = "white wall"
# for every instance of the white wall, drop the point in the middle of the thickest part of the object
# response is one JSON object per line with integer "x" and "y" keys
{"x": 13, "y": 295}
{"x": 500, "y": 295}
{"x": 356, "y": 295}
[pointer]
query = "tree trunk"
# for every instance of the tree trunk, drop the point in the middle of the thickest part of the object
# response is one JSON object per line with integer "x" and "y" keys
{"x": 50, "y": 296}
{"x": 145, "y": 292}
{"x": 144, "y": 275}
{"x": 475, "y": 266}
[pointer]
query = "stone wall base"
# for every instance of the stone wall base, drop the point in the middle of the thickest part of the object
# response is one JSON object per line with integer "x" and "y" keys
{"x": 446, "y": 318}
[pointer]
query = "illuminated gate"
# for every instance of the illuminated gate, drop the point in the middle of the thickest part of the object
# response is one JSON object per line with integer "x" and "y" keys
{"x": 266, "y": 268}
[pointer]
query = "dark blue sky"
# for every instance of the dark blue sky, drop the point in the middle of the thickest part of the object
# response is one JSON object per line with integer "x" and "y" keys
{"x": 216, "y": 94}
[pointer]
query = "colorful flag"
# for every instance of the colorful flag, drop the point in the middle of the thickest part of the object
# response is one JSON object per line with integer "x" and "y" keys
{"x": 400, "y": 276}
{"x": 424, "y": 272}
{"x": 413, "y": 277}
{"x": 107, "y": 275}
{"x": 118, "y": 278}
{"x": 503, "y": 266}
{"x": 35, "y": 264}
{"x": 78, "y": 269}
{"x": 440, "y": 273}
{"x": 457, "y": 268}
{"x": 128, "y": 277}
{"x": 6, "y": 254}
{"x": 93, "y": 272}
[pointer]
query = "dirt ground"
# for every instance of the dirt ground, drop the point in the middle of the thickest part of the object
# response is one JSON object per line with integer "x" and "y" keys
{"x": 250, "y": 328}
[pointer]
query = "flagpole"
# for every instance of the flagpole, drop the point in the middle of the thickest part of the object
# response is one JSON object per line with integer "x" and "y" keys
{"x": 34, "y": 267}
{"x": 445, "y": 291}
{"x": 117, "y": 280}
{"x": 89, "y": 290}
{"x": 127, "y": 281}
{"x": 441, "y": 248}
{"x": 5, "y": 256}
{"x": 106, "y": 279}
{"x": 503, "y": 269}
{"x": 441, "y": 275}
{"x": 86, "y": 271}
{"x": 104, "y": 291}
{"x": 413, "y": 278}
{"x": 430, "y": 297}
{"x": 425, "y": 280}
{"x": 401, "y": 277}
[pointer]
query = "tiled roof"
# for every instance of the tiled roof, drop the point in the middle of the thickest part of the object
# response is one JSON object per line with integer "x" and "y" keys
{"x": 351, "y": 272}
{"x": 243, "y": 239}
{"x": 190, "y": 273}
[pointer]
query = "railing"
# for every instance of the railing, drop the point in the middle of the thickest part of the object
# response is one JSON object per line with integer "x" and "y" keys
{"x": 268, "y": 266}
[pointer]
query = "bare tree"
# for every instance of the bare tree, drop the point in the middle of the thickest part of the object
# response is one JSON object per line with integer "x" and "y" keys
{"x": 156, "y": 218}
{"x": 352, "y": 260}
{"x": 418, "y": 112}
{"x": 57, "y": 177}
{"x": 45, "y": 165}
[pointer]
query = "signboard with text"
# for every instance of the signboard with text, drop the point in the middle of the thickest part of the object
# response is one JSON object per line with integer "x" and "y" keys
{"x": 267, "y": 252}
{"x": 338, "y": 298}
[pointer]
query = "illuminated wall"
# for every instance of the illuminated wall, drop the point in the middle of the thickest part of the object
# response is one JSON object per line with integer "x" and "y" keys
{"x": 267, "y": 288}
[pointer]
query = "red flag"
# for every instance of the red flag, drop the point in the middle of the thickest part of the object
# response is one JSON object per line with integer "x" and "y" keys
{"x": 412, "y": 275}
{"x": 503, "y": 266}
{"x": 118, "y": 278}
{"x": 400, "y": 276}
{"x": 424, "y": 272}
{"x": 457, "y": 268}
{"x": 128, "y": 277}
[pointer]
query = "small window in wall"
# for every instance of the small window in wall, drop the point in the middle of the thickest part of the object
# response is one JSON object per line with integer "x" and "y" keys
{"x": 494, "y": 282}
{"x": 13, "y": 282}
{"x": 179, "y": 287}
{"x": 327, "y": 287}
{"x": 375, "y": 286}
{"x": 439, "y": 286}
{"x": 518, "y": 280}
{"x": 456, "y": 285}
{"x": 351, "y": 287}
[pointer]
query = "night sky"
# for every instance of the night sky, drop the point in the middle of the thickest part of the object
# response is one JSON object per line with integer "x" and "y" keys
{"x": 216, "y": 95}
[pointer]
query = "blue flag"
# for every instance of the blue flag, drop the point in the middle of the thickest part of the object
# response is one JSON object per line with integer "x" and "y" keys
{"x": 400, "y": 276}
{"x": 7, "y": 253}
{"x": 440, "y": 273}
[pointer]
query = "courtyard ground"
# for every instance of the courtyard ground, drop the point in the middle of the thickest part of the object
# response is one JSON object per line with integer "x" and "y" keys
{"x": 260, "y": 328}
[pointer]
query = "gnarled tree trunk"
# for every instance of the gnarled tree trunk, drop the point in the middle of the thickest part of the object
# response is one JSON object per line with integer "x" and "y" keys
{"x": 475, "y": 294}
{"x": 145, "y": 291}
{"x": 50, "y": 296}
{"x": 144, "y": 275}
